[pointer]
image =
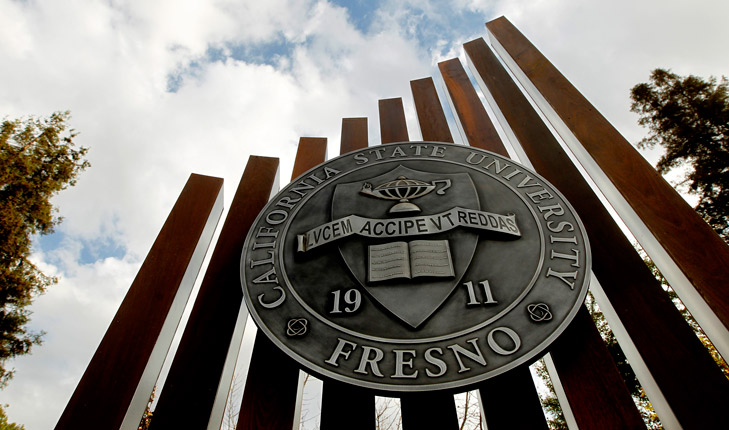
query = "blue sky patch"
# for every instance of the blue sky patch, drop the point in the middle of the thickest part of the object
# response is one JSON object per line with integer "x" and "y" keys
{"x": 262, "y": 53}
{"x": 91, "y": 250}
{"x": 361, "y": 12}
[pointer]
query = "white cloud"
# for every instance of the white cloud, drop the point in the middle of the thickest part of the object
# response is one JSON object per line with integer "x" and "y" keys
{"x": 604, "y": 48}
{"x": 74, "y": 314}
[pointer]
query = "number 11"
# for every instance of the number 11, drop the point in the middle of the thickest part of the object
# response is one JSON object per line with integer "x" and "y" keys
{"x": 472, "y": 294}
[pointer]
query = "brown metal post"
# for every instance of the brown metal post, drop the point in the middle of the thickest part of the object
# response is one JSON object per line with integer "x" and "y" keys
{"x": 141, "y": 327}
{"x": 574, "y": 362}
{"x": 672, "y": 221}
{"x": 680, "y": 365}
{"x": 500, "y": 395}
{"x": 354, "y": 135}
{"x": 516, "y": 389}
{"x": 192, "y": 383}
{"x": 269, "y": 397}
{"x": 311, "y": 152}
{"x": 393, "y": 127}
{"x": 344, "y": 403}
{"x": 474, "y": 122}
{"x": 605, "y": 389}
{"x": 435, "y": 410}
{"x": 441, "y": 409}
{"x": 511, "y": 398}
{"x": 432, "y": 119}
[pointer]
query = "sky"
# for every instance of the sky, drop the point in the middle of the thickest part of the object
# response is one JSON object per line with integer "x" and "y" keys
{"x": 161, "y": 89}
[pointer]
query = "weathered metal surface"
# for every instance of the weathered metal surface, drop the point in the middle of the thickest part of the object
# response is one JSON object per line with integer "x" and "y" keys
{"x": 354, "y": 135}
{"x": 310, "y": 152}
{"x": 141, "y": 326}
{"x": 658, "y": 205}
{"x": 435, "y": 410}
{"x": 568, "y": 355}
{"x": 270, "y": 393}
{"x": 196, "y": 370}
{"x": 345, "y": 403}
{"x": 683, "y": 369}
{"x": 506, "y": 402}
{"x": 392, "y": 121}
{"x": 473, "y": 121}
{"x": 520, "y": 266}
{"x": 607, "y": 388}
{"x": 431, "y": 118}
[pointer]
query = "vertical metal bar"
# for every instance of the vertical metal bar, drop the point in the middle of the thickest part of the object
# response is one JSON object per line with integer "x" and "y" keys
{"x": 347, "y": 406}
{"x": 354, "y": 135}
{"x": 513, "y": 388}
{"x": 226, "y": 379}
{"x": 393, "y": 127}
{"x": 519, "y": 155}
{"x": 195, "y": 374}
{"x": 564, "y": 403}
{"x": 270, "y": 393}
{"x": 569, "y": 356}
{"x": 299, "y": 406}
{"x": 639, "y": 366}
{"x": 510, "y": 398}
{"x": 311, "y": 152}
{"x": 431, "y": 118}
{"x": 434, "y": 410}
{"x": 472, "y": 119}
{"x": 674, "y": 356}
{"x": 269, "y": 399}
{"x": 604, "y": 387}
{"x": 116, "y": 385}
{"x": 658, "y": 401}
{"x": 441, "y": 410}
{"x": 479, "y": 131}
{"x": 651, "y": 208}
{"x": 344, "y": 403}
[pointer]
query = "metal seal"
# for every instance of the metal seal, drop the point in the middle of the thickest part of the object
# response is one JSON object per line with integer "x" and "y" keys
{"x": 415, "y": 266}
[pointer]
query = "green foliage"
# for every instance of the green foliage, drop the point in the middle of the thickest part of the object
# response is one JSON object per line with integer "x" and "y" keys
{"x": 4, "y": 424}
{"x": 550, "y": 403}
{"x": 689, "y": 118}
{"x": 37, "y": 160}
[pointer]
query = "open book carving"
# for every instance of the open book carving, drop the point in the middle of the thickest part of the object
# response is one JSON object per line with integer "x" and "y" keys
{"x": 410, "y": 260}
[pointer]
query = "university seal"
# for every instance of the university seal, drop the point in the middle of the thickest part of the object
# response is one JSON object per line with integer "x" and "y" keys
{"x": 415, "y": 266}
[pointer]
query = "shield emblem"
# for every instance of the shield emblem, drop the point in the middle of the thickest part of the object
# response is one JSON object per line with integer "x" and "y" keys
{"x": 400, "y": 192}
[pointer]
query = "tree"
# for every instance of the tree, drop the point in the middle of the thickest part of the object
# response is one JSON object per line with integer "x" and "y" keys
{"x": 4, "y": 421}
{"x": 468, "y": 409}
{"x": 38, "y": 159}
{"x": 689, "y": 118}
{"x": 550, "y": 403}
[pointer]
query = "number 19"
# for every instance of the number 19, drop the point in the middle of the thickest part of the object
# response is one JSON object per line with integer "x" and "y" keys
{"x": 352, "y": 297}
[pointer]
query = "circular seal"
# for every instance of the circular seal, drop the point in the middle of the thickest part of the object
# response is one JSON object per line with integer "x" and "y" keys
{"x": 415, "y": 266}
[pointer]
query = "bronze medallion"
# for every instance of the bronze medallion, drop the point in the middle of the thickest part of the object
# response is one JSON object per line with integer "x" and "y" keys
{"x": 415, "y": 266}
